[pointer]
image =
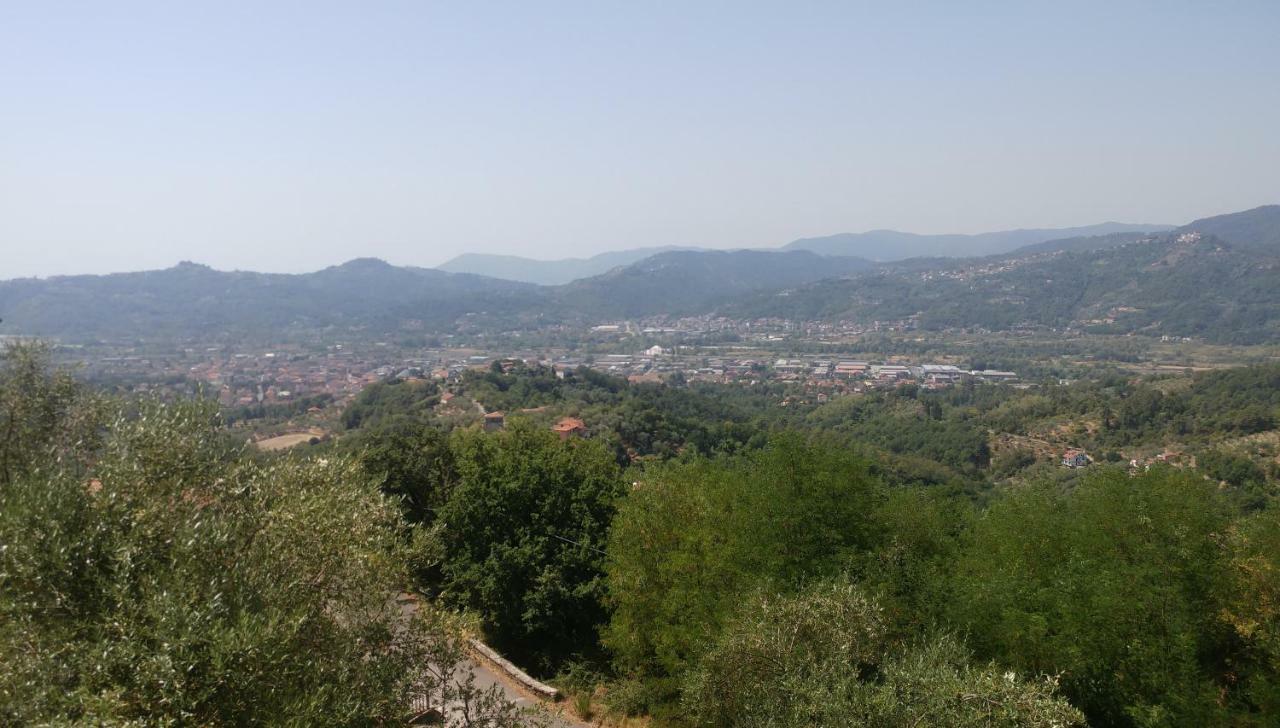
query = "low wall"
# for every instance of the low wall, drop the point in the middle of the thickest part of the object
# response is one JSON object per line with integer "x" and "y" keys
{"x": 540, "y": 689}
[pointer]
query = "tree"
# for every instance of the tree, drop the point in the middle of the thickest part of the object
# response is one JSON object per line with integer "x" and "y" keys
{"x": 693, "y": 538}
{"x": 1252, "y": 610}
{"x": 175, "y": 581}
{"x": 1116, "y": 586}
{"x": 415, "y": 465}
{"x": 825, "y": 657}
{"x": 44, "y": 414}
{"x": 522, "y": 536}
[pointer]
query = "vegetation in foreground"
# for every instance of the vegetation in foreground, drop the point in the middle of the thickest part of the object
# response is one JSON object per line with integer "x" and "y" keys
{"x": 151, "y": 575}
{"x": 828, "y": 565}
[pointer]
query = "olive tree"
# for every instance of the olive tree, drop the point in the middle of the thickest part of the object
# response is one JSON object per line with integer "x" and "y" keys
{"x": 826, "y": 657}
{"x": 152, "y": 577}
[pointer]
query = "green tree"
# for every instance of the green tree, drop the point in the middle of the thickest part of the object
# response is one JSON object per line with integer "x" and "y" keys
{"x": 175, "y": 582}
{"x": 1115, "y": 585}
{"x": 44, "y": 414}
{"x": 1252, "y": 611}
{"x": 825, "y": 657}
{"x": 693, "y": 538}
{"x": 522, "y": 536}
{"x": 415, "y": 464}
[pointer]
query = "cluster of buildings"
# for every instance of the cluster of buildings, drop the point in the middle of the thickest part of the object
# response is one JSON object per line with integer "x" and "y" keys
{"x": 931, "y": 375}
{"x": 658, "y": 364}
{"x": 292, "y": 372}
{"x": 239, "y": 379}
{"x": 765, "y": 329}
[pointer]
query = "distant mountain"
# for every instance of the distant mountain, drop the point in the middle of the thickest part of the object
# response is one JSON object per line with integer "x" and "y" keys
{"x": 191, "y": 299}
{"x": 891, "y": 245}
{"x": 1256, "y": 229}
{"x": 876, "y": 245}
{"x": 376, "y": 298}
{"x": 694, "y": 281}
{"x": 547, "y": 272}
{"x": 1078, "y": 245}
{"x": 1173, "y": 284}
{"x": 1222, "y": 285}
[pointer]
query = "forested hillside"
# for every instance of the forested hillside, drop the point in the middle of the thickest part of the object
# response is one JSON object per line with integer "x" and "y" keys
{"x": 1256, "y": 229}
{"x": 1178, "y": 285}
{"x": 688, "y": 282}
{"x": 892, "y": 245}
{"x": 187, "y": 299}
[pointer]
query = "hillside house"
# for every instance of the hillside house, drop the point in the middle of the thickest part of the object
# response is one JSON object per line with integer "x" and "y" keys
{"x": 1075, "y": 459}
{"x": 494, "y": 421}
{"x": 570, "y": 427}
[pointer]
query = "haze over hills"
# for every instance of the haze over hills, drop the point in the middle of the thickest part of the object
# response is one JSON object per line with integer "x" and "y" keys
{"x": 694, "y": 281}
{"x": 1178, "y": 284}
{"x": 547, "y": 272}
{"x": 876, "y": 245}
{"x": 190, "y": 297}
{"x": 1222, "y": 285}
{"x": 891, "y": 245}
{"x": 1194, "y": 281}
{"x": 370, "y": 293}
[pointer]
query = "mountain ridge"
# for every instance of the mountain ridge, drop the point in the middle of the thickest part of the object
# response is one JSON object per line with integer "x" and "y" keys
{"x": 905, "y": 245}
{"x": 1223, "y": 283}
{"x": 549, "y": 272}
{"x": 857, "y": 245}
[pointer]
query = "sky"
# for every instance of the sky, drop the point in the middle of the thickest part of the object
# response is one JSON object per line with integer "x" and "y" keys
{"x": 289, "y": 136}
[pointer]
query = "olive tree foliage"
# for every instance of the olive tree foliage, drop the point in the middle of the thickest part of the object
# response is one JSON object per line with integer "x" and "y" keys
{"x": 174, "y": 583}
{"x": 44, "y": 415}
{"x": 825, "y": 657}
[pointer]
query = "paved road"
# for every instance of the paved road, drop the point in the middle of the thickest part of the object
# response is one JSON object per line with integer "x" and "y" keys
{"x": 487, "y": 676}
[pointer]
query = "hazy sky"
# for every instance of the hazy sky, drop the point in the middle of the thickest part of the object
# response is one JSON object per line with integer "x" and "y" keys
{"x": 290, "y": 136}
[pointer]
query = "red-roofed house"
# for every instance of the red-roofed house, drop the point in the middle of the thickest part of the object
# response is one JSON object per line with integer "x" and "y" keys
{"x": 569, "y": 427}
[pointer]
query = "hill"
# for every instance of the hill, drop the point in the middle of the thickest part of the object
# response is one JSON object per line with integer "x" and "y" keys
{"x": 1191, "y": 282}
{"x": 685, "y": 282}
{"x": 190, "y": 299}
{"x": 547, "y": 272}
{"x": 1256, "y": 229}
{"x": 875, "y": 245}
{"x": 1182, "y": 284}
{"x": 1090, "y": 242}
{"x": 892, "y": 245}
